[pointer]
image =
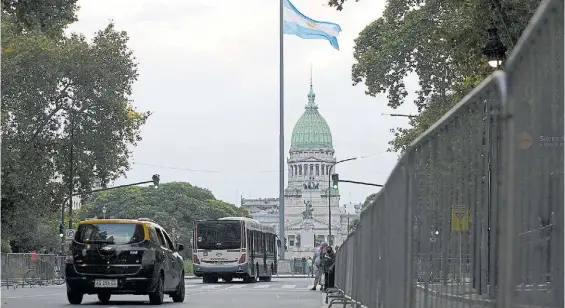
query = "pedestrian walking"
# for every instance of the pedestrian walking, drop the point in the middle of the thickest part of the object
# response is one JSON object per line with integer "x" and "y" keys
{"x": 328, "y": 264}
{"x": 310, "y": 267}
{"x": 318, "y": 265}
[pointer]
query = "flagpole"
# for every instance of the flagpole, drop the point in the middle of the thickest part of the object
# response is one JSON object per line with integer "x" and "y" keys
{"x": 281, "y": 132}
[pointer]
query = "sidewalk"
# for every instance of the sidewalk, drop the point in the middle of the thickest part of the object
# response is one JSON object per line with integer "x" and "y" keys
{"x": 274, "y": 276}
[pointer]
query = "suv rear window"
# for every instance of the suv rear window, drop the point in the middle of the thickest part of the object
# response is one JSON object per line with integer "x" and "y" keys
{"x": 118, "y": 234}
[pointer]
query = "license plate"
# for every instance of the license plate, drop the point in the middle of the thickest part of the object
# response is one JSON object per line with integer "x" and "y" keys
{"x": 106, "y": 283}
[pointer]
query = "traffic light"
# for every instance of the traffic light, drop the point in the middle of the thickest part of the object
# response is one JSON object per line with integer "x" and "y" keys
{"x": 61, "y": 230}
{"x": 156, "y": 179}
{"x": 335, "y": 180}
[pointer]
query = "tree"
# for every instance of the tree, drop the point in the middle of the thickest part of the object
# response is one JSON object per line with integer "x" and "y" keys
{"x": 60, "y": 94}
{"x": 441, "y": 42}
{"x": 173, "y": 205}
{"x": 47, "y": 16}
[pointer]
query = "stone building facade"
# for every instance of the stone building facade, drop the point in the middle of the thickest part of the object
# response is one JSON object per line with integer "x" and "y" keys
{"x": 308, "y": 189}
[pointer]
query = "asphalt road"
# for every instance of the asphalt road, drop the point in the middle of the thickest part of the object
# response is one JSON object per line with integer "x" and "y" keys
{"x": 279, "y": 293}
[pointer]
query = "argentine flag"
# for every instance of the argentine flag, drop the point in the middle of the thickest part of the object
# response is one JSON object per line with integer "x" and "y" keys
{"x": 295, "y": 23}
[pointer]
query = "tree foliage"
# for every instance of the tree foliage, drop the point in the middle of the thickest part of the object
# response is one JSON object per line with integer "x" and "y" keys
{"x": 441, "y": 42}
{"x": 60, "y": 94}
{"x": 173, "y": 205}
{"x": 47, "y": 16}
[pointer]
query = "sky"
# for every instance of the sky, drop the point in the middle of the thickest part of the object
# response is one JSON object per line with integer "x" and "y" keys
{"x": 209, "y": 72}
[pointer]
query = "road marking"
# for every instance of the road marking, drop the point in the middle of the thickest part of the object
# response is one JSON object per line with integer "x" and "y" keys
{"x": 189, "y": 286}
{"x": 262, "y": 286}
{"x": 212, "y": 287}
{"x": 237, "y": 286}
{"x": 310, "y": 286}
{"x": 289, "y": 286}
{"x": 30, "y": 296}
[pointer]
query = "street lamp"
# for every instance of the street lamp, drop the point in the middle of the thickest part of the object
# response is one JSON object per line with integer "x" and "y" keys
{"x": 399, "y": 115}
{"x": 104, "y": 211}
{"x": 494, "y": 49}
{"x": 330, "y": 195}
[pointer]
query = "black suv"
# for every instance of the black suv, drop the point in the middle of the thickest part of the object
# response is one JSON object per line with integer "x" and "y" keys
{"x": 123, "y": 256}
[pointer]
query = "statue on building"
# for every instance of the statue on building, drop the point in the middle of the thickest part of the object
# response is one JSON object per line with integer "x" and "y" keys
{"x": 307, "y": 213}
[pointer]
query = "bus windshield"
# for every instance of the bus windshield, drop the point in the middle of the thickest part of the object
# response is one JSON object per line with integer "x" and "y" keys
{"x": 218, "y": 235}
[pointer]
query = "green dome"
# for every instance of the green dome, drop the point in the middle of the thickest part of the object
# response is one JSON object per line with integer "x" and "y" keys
{"x": 311, "y": 131}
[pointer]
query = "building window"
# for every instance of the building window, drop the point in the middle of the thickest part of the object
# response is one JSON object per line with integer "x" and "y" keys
{"x": 299, "y": 169}
{"x": 317, "y": 169}
{"x": 291, "y": 240}
{"x": 311, "y": 169}
{"x": 323, "y": 169}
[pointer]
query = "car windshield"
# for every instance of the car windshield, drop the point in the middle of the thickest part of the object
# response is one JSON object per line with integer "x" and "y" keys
{"x": 110, "y": 233}
{"x": 219, "y": 235}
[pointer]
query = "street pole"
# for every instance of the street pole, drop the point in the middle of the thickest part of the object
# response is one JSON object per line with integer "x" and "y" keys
{"x": 330, "y": 196}
{"x": 281, "y": 128}
{"x": 71, "y": 175}
{"x": 460, "y": 256}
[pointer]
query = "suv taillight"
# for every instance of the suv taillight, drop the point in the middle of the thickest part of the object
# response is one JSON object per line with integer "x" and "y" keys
{"x": 195, "y": 259}
{"x": 242, "y": 259}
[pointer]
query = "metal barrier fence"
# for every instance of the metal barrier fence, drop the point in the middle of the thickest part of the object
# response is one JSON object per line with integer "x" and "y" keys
{"x": 472, "y": 214}
{"x": 293, "y": 267}
{"x": 21, "y": 269}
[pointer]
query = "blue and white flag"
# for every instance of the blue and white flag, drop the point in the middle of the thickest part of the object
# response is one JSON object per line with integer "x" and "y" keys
{"x": 295, "y": 23}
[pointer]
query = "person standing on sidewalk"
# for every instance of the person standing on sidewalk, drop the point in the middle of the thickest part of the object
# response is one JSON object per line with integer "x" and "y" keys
{"x": 318, "y": 265}
{"x": 310, "y": 267}
{"x": 328, "y": 264}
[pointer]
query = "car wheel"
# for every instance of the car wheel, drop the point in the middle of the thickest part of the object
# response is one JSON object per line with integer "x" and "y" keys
{"x": 104, "y": 297}
{"x": 178, "y": 296}
{"x": 74, "y": 297}
{"x": 156, "y": 297}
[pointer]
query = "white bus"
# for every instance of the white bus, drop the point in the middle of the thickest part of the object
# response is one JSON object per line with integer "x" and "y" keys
{"x": 234, "y": 247}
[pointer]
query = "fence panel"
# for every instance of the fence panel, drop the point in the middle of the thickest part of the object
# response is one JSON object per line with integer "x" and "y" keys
{"x": 472, "y": 214}
{"x": 534, "y": 263}
{"x": 27, "y": 269}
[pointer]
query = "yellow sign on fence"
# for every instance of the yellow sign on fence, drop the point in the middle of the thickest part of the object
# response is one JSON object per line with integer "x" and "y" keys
{"x": 459, "y": 219}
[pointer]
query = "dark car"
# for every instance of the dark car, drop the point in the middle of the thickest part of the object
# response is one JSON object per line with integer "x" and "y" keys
{"x": 123, "y": 256}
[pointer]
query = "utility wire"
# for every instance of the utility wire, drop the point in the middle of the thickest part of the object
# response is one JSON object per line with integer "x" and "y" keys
{"x": 224, "y": 171}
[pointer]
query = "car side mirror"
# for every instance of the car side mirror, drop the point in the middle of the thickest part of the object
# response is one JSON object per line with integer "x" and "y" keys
{"x": 180, "y": 247}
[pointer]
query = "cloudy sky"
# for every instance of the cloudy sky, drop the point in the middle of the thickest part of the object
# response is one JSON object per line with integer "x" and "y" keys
{"x": 209, "y": 71}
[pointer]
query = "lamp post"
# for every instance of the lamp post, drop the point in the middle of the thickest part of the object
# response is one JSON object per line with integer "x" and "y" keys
{"x": 330, "y": 196}
{"x": 399, "y": 115}
{"x": 104, "y": 211}
{"x": 494, "y": 49}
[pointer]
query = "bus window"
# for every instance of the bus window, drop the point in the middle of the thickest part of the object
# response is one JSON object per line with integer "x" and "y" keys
{"x": 219, "y": 235}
